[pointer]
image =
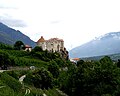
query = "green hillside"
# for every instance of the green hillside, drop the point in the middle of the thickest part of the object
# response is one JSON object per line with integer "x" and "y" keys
{"x": 43, "y": 73}
{"x": 18, "y": 63}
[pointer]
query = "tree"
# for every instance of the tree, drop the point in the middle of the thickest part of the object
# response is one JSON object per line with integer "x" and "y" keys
{"x": 53, "y": 68}
{"x": 101, "y": 78}
{"x": 40, "y": 79}
{"x": 18, "y": 45}
{"x": 60, "y": 62}
{"x": 118, "y": 63}
{"x": 4, "y": 60}
{"x": 38, "y": 49}
{"x": 80, "y": 62}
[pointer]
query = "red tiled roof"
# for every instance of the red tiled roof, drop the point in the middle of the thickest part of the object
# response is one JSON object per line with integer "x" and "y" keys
{"x": 76, "y": 59}
{"x": 27, "y": 46}
{"x": 41, "y": 39}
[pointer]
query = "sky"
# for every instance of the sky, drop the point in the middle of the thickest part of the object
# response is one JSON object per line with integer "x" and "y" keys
{"x": 74, "y": 21}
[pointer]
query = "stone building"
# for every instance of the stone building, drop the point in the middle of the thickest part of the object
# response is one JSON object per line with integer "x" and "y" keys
{"x": 53, "y": 44}
{"x": 27, "y": 48}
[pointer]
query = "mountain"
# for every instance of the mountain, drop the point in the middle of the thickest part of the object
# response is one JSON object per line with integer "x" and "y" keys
{"x": 10, "y": 36}
{"x": 114, "y": 57}
{"x": 103, "y": 45}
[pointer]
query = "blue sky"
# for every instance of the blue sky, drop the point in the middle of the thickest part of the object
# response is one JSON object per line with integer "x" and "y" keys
{"x": 75, "y": 21}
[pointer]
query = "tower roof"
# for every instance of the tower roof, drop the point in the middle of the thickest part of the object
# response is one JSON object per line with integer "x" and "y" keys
{"x": 41, "y": 39}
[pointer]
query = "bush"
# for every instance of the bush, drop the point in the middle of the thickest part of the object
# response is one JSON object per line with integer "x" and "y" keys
{"x": 36, "y": 92}
{"x": 53, "y": 68}
{"x": 5, "y": 46}
{"x": 17, "y": 73}
{"x": 13, "y": 74}
{"x": 37, "y": 49}
{"x": 18, "y": 45}
{"x": 11, "y": 82}
{"x": 40, "y": 79}
{"x": 100, "y": 78}
{"x": 61, "y": 63}
{"x": 4, "y": 58}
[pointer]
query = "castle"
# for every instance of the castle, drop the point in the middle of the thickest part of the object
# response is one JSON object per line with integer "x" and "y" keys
{"x": 53, "y": 44}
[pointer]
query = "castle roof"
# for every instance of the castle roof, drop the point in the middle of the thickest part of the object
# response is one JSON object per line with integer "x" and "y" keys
{"x": 50, "y": 40}
{"x": 41, "y": 39}
{"x": 55, "y": 39}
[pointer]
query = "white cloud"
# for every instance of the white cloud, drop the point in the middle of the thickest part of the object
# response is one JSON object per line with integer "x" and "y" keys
{"x": 76, "y": 21}
{"x": 12, "y": 22}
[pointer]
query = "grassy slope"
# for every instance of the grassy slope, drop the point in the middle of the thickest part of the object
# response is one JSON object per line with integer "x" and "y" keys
{"x": 9, "y": 81}
{"x": 10, "y": 86}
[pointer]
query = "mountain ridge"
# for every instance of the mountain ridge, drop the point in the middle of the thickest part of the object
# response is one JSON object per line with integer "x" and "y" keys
{"x": 10, "y": 36}
{"x": 103, "y": 45}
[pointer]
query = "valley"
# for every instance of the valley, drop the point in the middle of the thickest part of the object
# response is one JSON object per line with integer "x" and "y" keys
{"x": 49, "y": 72}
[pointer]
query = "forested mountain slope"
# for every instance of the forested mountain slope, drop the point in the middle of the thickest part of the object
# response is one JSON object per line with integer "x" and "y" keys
{"x": 10, "y": 36}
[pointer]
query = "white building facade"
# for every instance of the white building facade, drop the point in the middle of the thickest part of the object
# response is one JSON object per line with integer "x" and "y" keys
{"x": 53, "y": 44}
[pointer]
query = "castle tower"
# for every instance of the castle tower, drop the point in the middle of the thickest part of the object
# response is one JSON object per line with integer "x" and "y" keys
{"x": 41, "y": 42}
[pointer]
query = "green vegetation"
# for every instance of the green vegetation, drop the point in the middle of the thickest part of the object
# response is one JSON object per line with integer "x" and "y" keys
{"x": 9, "y": 86}
{"x": 4, "y": 58}
{"x": 100, "y": 78}
{"x": 18, "y": 45}
{"x": 42, "y": 76}
{"x": 39, "y": 81}
{"x": 54, "y": 76}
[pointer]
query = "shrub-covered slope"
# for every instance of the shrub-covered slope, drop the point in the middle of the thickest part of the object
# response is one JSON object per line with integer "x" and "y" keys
{"x": 37, "y": 82}
{"x": 55, "y": 76}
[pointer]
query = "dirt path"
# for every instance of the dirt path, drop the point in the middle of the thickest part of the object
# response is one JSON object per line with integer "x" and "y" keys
{"x": 21, "y": 81}
{"x": 3, "y": 71}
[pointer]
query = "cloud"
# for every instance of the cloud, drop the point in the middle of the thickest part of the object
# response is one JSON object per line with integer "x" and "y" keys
{"x": 10, "y": 21}
{"x": 54, "y": 22}
{"x": 4, "y": 7}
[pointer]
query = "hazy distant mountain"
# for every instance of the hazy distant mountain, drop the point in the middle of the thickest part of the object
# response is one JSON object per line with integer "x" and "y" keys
{"x": 10, "y": 36}
{"x": 103, "y": 45}
{"x": 114, "y": 57}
